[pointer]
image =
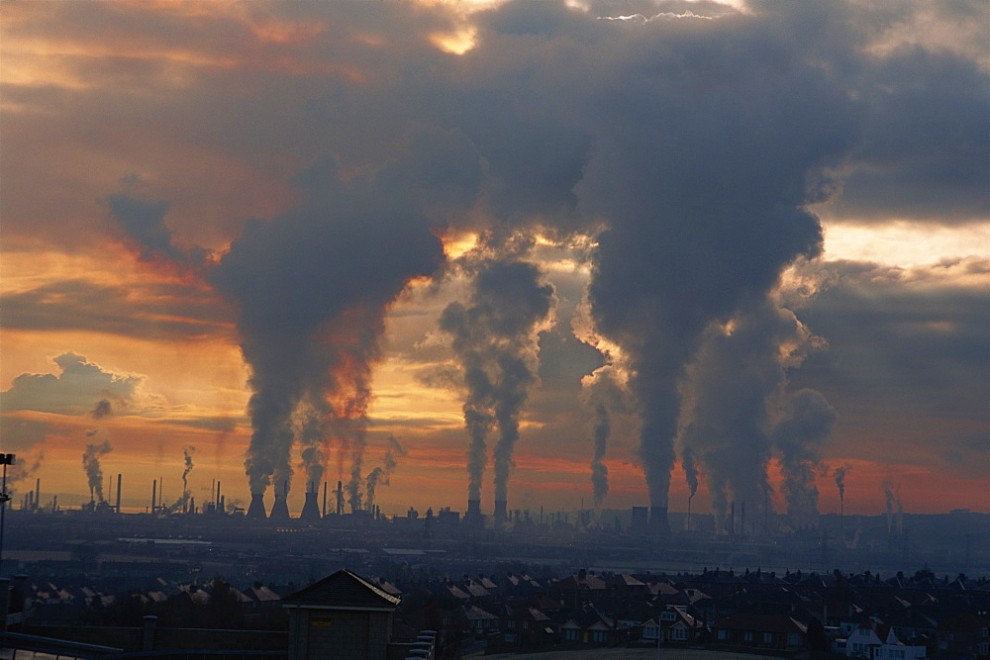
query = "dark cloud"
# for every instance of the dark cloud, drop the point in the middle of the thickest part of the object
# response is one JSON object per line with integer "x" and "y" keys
{"x": 150, "y": 311}
{"x": 313, "y": 287}
{"x": 71, "y": 392}
{"x": 907, "y": 365}
{"x": 495, "y": 339}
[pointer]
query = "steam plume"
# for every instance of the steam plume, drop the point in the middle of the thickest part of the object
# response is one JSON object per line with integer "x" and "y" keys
{"x": 495, "y": 339}
{"x": 690, "y": 471}
{"x": 805, "y": 425}
{"x": 94, "y": 473}
{"x": 382, "y": 475}
{"x": 101, "y": 409}
{"x": 313, "y": 287}
{"x": 738, "y": 410}
{"x": 840, "y": 482}
{"x": 187, "y": 454}
{"x": 599, "y": 471}
{"x": 675, "y": 194}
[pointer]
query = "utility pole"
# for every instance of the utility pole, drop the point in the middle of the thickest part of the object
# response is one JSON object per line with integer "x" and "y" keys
{"x": 5, "y": 460}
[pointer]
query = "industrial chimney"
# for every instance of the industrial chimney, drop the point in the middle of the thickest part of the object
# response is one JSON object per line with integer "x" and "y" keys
{"x": 340, "y": 498}
{"x": 117, "y": 509}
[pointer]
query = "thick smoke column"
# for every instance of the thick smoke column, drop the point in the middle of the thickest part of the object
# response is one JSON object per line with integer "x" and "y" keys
{"x": 94, "y": 473}
{"x": 840, "y": 482}
{"x": 705, "y": 198}
{"x": 187, "y": 454}
{"x": 101, "y": 409}
{"x": 738, "y": 410}
{"x": 599, "y": 471}
{"x": 382, "y": 475}
{"x": 495, "y": 339}
{"x": 690, "y": 472}
{"x": 805, "y": 424}
{"x": 313, "y": 287}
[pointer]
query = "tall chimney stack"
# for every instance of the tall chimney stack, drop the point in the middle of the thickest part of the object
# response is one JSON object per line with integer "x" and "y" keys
{"x": 37, "y": 493}
{"x": 340, "y": 498}
{"x": 154, "y": 494}
{"x": 118, "y": 492}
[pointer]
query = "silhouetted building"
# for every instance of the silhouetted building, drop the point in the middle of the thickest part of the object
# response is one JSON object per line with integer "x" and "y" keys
{"x": 341, "y": 616}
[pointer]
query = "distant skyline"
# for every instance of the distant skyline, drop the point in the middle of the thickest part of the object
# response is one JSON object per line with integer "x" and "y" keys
{"x": 546, "y": 253}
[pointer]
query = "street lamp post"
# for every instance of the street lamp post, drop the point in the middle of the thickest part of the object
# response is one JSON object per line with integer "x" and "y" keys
{"x": 5, "y": 460}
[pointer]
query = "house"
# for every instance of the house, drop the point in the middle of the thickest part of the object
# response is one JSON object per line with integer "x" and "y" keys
{"x": 340, "y": 616}
{"x": 893, "y": 649}
{"x": 964, "y": 636}
{"x": 480, "y": 622}
{"x": 674, "y": 626}
{"x": 760, "y": 631}
{"x": 590, "y": 627}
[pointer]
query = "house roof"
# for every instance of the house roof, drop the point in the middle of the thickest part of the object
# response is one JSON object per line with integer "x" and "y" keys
{"x": 343, "y": 590}
{"x": 762, "y": 623}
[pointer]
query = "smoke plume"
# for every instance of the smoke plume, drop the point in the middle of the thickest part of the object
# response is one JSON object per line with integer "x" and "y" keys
{"x": 702, "y": 220}
{"x": 690, "y": 471}
{"x": 806, "y": 423}
{"x": 599, "y": 471}
{"x": 101, "y": 409}
{"x": 738, "y": 410}
{"x": 840, "y": 482}
{"x": 187, "y": 454}
{"x": 94, "y": 473}
{"x": 382, "y": 475}
{"x": 313, "y": 287}
{"x": 495, "y": 338}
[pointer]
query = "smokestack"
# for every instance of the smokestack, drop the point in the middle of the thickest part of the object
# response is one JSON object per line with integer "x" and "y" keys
{"x": 311, "y": 510}
{"x": 256, "y": 510}
{"x": 154, "y": 494}
{"x": 501, "y": 512}
{"x": 659, "y": 524}
{"x": 37, "y": 493}
{"x": 217, "y": 501}
{"x": 340, "y": 498}
{"x": 118, "y": 492}
{"x": 324, "y": 498}
{"x": 280, "y": 509}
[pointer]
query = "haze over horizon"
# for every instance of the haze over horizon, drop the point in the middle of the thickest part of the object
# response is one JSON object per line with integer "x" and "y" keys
{"x": 533, "y": 252}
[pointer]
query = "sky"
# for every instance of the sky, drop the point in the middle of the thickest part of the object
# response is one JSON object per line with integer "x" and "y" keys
{"x": 582, "y": 254}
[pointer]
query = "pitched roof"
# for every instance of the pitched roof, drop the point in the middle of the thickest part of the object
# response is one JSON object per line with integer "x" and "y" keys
{"x": 343, "y": 590}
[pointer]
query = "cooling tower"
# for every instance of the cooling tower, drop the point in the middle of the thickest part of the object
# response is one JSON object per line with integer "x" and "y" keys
{"x": 256, "y": 511}
{"x": 658, "y": 521}
{"x": 501, "y": 512}
{"x": 311, "y": 509}
{"x": 280, "y": 510}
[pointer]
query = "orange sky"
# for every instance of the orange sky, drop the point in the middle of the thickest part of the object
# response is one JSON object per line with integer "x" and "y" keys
{"x": 219, "y": 111}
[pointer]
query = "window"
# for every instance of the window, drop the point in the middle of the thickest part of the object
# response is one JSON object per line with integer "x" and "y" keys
{"x": 748, "y": 636}
{"x": 599, "y": 636}
{"x": 723, "y": 635}
{"x": 680, "y": 633}
{"x": 572, "y": 635}
{"x": 767, "y": 638}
